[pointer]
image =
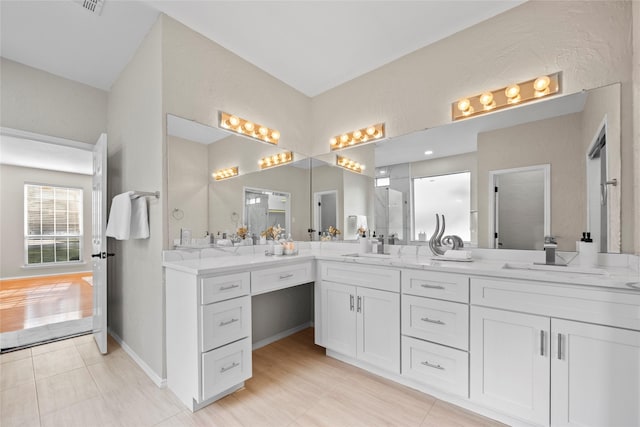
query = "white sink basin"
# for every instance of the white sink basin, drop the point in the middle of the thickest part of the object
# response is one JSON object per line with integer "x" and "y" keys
{"x": 554, "y": 268}
{"x": 372, "y": 255}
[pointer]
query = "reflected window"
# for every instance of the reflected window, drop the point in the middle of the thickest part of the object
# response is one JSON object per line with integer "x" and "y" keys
{"x": 383, "y": 182}
{"x": 449, "y": 195}
{"x": 52, "y": 224}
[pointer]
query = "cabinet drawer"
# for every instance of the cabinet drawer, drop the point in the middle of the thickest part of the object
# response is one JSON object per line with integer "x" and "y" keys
{"x": 435, "y": 365}
{"x": 225, "y": 367}
{"x": 225, "y": 322}
{"x": 384, "y": 279}
{"x": 442, "y": 322}
{"x": 219, "y": 288}
{"x": 446, "y": 286}
{"x": 271, "y": 279}
{"x": 593, "y": 305}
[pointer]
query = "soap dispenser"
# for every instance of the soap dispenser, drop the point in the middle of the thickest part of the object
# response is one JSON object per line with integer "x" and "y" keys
{"x": 587, "y": 250}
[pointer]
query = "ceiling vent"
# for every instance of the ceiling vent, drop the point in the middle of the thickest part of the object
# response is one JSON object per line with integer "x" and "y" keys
{"x": 93, "y": 6}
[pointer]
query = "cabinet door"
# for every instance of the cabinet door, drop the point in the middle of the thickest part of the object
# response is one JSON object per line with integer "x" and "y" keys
{"x": 595, "y": 375}
{"x": 339, "y": 317}
{"x": 510, "y": 365}
{"x": 379, "y": 328}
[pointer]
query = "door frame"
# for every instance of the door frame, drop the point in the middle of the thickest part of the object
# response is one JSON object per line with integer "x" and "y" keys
{"x": 493, "y": 214}
{"x": 316, "y": 209}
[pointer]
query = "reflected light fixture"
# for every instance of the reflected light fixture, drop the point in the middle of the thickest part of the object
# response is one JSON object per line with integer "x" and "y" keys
{"x": 428, "y": 152}
{"x": 225, "y": 173}
{"x": 349, "y": 164}
{"x": 349, "y": 139}
{"x": 508, "y": 96}
{"x": 275, "y": 160}
{"x": 248, "y": 128}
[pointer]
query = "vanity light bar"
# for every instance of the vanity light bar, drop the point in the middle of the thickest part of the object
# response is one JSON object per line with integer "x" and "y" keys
{"x": 349, "y": 139}
{"x": 514, "y": 94}
{"x": 275, "y": 160}
{"x": 225, "y": 173}
{"x": 247, "y": 128}
{"x": 349, "y": 164}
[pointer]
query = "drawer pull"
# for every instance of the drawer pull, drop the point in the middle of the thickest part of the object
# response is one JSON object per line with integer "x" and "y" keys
{"x": 350, "y": 302}
{"x": 437, "y": 322}
{"x": 226, "y": 288}
{"x": 359, "y": 304}
{"x": 286, "y": 276}
{"x": 559, "y": 346}
{"x": 228, "y": 367}
{"x": 425, "y": 363}
{"x": 541, "y": 343}
{"x": 424, "y": 285}
{"x": 228, "y": 322}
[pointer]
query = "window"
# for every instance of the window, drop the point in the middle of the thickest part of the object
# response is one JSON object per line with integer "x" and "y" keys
{"x": 449, "y": 195}
{"x": 52, "y": 224}
{"x": 383, "y": 182}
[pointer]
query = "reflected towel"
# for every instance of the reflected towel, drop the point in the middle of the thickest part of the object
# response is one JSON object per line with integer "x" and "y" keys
{"x": 139, "y": 219}
{"x": 128, "y": 219}
{"x": 119, "y": 223}
{"x": 458, "y": 254}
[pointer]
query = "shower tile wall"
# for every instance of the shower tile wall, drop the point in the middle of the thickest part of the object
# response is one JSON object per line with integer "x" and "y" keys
{"x": 392, "y": 210}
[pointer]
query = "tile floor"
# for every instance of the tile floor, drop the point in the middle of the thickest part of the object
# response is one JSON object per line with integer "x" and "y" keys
{"x": 69, "y": 383}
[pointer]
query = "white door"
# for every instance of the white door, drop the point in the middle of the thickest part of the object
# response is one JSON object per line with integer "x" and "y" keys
{"x": 510, "y": 365}
{"x": 339, "y": 317}
{"x": 379, "y": 328}
{"x": 99, "y": 243}
{"x": 595, "y": 375}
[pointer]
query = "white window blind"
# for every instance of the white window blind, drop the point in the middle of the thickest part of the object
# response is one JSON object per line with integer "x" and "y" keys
{"x": 52, "y": 224}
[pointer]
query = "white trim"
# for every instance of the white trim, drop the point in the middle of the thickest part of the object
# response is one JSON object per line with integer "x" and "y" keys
{"x": 546, "y": 169}
{"x": 280, "y": 335}
{"x": 17, "y": 133}
{"x": 157, "y": 380}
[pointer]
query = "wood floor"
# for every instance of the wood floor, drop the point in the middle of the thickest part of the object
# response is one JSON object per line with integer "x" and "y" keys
{"x": 69, "y": 383}
{"x": 32, "y": 302}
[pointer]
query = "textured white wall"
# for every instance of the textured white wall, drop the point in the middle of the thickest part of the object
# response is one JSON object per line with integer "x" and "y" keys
{"x": 589, "y": 41}
{"x": 137, "y": 162}
{"x": 37, "y": 101}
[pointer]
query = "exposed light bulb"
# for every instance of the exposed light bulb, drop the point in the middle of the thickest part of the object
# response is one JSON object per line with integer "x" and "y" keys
{"x": 357, "y": 134}
{"x": 512, "y": 91}
{"x": 428, "y": 153}
{"x": 234, "y": 121}
{"x": 464, "y": 105}
{"x": 486, "y": 98}
{"x": 249, "y": 126}
{"x": 344, "y": 138}
{"x": 333, "y": 141}
{"x": 541, "y": 83}
{"x": 371, "y": 130}
{"x": 263, "y": 131}
{"x": 275, "y": 135}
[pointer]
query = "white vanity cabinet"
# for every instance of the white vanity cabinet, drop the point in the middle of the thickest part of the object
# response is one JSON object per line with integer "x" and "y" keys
{"x": 548, "y": 363}
{"x": 435, "y": 329}
{"x": 360, "y": 313}
{"x": 208, "y": 335}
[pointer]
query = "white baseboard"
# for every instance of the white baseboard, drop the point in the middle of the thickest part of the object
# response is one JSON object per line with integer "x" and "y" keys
{"x": 157, "y": 380}
{"x": 280, "y": 335}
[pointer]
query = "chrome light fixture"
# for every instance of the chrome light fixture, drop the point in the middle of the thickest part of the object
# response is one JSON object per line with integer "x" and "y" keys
{"x": 248, "y": 128}
{"x": 514, "y": 94}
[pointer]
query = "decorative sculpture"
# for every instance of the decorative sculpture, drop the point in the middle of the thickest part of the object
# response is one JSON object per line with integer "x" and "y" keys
{"x": 438, "y": 244}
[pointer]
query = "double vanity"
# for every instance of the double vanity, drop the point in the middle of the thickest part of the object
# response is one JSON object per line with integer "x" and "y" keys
{"x": 524, "y": 346}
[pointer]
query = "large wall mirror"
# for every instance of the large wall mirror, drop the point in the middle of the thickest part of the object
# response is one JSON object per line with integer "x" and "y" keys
{"x": 256, "y": 198}
{"x": 563, "y": 152}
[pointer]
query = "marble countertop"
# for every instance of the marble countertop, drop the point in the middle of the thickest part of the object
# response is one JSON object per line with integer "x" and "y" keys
{"x": 621, "y": 276}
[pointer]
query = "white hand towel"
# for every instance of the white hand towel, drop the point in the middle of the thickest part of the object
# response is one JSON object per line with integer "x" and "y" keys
{"x": 119, "y": 223}
{"x": 139, "y": 219}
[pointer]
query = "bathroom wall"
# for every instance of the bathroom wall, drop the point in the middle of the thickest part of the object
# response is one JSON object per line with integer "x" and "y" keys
{"x": 589, "y": 41}
{"x": 557, "y": 143}
{"x": 137, "y": 162}
{"x": 12, "y": 180}
{"x": 36, "y": 101}
{"x": 636, "y": 119}
{"x": 187, "y": 187}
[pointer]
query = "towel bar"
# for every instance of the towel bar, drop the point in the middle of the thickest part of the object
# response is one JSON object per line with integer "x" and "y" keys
{"x": 137, "y": 194}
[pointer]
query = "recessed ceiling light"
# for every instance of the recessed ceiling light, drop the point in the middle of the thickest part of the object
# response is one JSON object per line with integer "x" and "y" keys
{"x": 428, "y": 153}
